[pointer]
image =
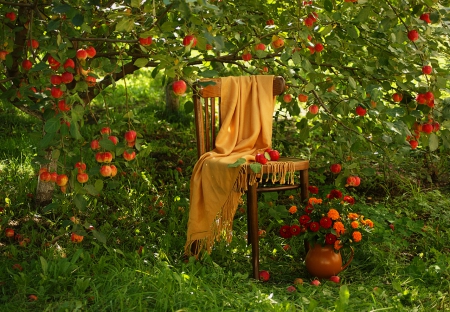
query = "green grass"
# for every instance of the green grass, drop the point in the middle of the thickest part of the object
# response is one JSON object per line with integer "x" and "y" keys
{"x": 146, "y": 209}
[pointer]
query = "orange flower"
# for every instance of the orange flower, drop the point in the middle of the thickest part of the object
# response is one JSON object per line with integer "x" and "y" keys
{"x": 357, "y": 236}
{"x": 313, "y": 201}
{"x": 353, "y": 216}
{"x": 369, "y": 223}
{"x": 339, "y": 228}
{"x": 333, "y": 214}
{"x": 291, "y": 197}
{"x": 293, "y": 209}
{"x": 337, "y": 245}
{"x": 355, "y": 224}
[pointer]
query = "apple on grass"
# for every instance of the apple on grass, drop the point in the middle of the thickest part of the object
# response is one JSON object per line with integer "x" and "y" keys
{"x": 74, "y": 237}
{"x": 315, "y": 282}
{"x": 264, "y": 275}
{"x": 353, "y": 181}
{"x": 9, "y": 232}
{"x": 335, "y": 279}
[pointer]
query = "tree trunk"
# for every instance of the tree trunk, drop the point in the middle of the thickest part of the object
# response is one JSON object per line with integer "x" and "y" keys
{"x": 172, "y": 101}
{"x": 44, "y": 190}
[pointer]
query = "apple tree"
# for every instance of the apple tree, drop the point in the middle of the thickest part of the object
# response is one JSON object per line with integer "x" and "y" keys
{"x": 367, "y": 77}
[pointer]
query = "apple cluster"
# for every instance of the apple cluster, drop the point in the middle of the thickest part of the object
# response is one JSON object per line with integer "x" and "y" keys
{"x": 269, "y": 154}
{"x": 60, "y": 179}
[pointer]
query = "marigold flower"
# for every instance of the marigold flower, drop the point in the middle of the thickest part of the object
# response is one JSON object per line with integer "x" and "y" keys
{"x": 330, "y": 239}
{"x": 325, "y": 222}
{"x": 337, "y": 245}
{"x": 339, "y": 227}
{"x": 304, "y": 219}
{"x": 353, "y": 216}
{"x": 293, "y": 209}
{"x": 314, "y": 226}
{"x": 349, "y": 199}
{"x": 285, "y": 231}
{"x": 313, "y": 189}
{"x": 355, "y": 224}
{"x": 314, "y": 201}
{"x": 333, "y": 214}
{"x": 369, "y": 223}
{"x": 295, "y": 229}
{"x": 291, "y": 197}
{"x": 357, "y": 236}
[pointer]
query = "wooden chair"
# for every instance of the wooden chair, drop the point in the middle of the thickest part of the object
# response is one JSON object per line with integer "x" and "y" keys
{"x": 207, "y": 117}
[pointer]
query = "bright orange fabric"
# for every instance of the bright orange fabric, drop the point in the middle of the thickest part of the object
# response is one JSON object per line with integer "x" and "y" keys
{"x": 247, "y": 105}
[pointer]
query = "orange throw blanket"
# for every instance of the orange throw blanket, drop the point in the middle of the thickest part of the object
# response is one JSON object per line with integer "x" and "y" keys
{"x": 247, "y": 105}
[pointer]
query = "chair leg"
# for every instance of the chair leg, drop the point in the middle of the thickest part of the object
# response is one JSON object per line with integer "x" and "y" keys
{"x": 252, "y": 226}
{"x": 304, "y": 184}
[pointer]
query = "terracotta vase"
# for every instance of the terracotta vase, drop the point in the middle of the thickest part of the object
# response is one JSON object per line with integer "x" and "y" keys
{"x": 324, "y": 261}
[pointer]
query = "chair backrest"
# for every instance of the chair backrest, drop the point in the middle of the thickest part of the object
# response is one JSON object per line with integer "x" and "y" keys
{"x": 207, "y": 110}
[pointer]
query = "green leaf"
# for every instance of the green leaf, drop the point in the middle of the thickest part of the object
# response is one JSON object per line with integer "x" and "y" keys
{"x": 141, "y": 62}
{"x": 369, "y": 172}
{"x": 328, "y": 5}
{"x": 255, "y": 167}
{"x": 352, "y": 82}
{"x": 75, "y": 132}
{"x": 208, "y": 74}
{"x": 91, "y": 189}
{"x": 107, "y": 144}
{"x": 80, "y": 202}
{"x": 238, "y": 162}
{"x": 135, "y": 3}
{"x": 98, "y": 185}
{"x": 50, "y": 207}
{"x": 353, "y": 32}
{"x": 125, "y": 24}
{"x": 52, "y": 125}
{"x": 433, "y": 142}
{"x": 309, "y": 87}
{"x": 55, "y": 154}
{"x": 44, "y": 265}
{"x": 188, "y": 107}
{"x": 99, "y": 236}
{"x": 63, "y": 8}
{"x": 78, "y": 20}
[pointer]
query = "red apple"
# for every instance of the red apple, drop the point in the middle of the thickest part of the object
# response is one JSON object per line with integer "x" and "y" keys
{"x": 130, "y": 136}
{"x": 264, "y": 275}
{"x": 32, "y": 298}
{"x": 107, "y": 157}
{"x": 11, "y": 16}
{"x": 360, "y": 111}
{"x": 309, "y": 22}
{"x": 335, "y": 168}
{"x": 436, "y": 126}
{"x": 91, "y": 52}
{"x": 291, "y": 289}
{"x": 76, "y": 238}
{"x": 335, "y": 279}
{"x": 99, "y": 157}
{"x": 353, "y": 181}
{"x": 33, "y": 43}
{"x": 9, "y": 232}
{"x": 313, "y": 109}
{"x": 298, "y": 281}
{"x": 81, "y": 54}
{"x": 190, "y": 40}
{"x": 69, "y": 63}
{"x": 45, "y": 176}
{"x": 105, "y": 130}
{"x": 392, "y": 227}
{"x": 260, "y": 46}
{"x": 105, "y": 171}
{"x": 27, "y": 64}
{"x": 131, "y": 144}
{"x": 3, "y": 55}
{"x": 63, "y": 106}
{"x": 274, "y": 155}
{"x": 82, "y": 177}
{"x": 318, "y": 47}
{"x": 278, "y": 43}
{"x": 427, "y": 128}
{"x": 270, "y": 22}
{"x": 62, "y": 179}
{"x": 95, "y": 145}
{"x": 261, "y": 158}
{"x": 67, "y": 77}
{"x": 315, "y": 282}
{"x": 53, "y": 177}
{"x": 287, "y": 98}
{"x": 91, "y": 81}
{"x": 426, "y": 18}
{"x": 113, "y": 171}
{"x": 247, "y": 56}
{"x": 397, "y": 97}
{"x": 129, "y": 156}
{"x": 17, "y": 267}
{"x": 413, "y": 35}
{"x": 145, "y": 41}
{"x": 56, "y": 92}
{"x": 427, "y": 69}
{"x": 113, "y": 139}
{"x": 303, "y": 98}
{"x": 208, "y": 46}
{"x": 80, "y": 166}
{"x": 55, "y": 79}
{"x": 179, "y": 87}
{"x": 413, "y": 144}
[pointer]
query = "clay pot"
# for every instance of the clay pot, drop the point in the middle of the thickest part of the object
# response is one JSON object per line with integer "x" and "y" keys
{"x": 324, "y": 261}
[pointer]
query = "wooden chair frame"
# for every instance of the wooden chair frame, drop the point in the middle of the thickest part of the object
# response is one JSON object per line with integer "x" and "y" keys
{"x": 207, "y": 121}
